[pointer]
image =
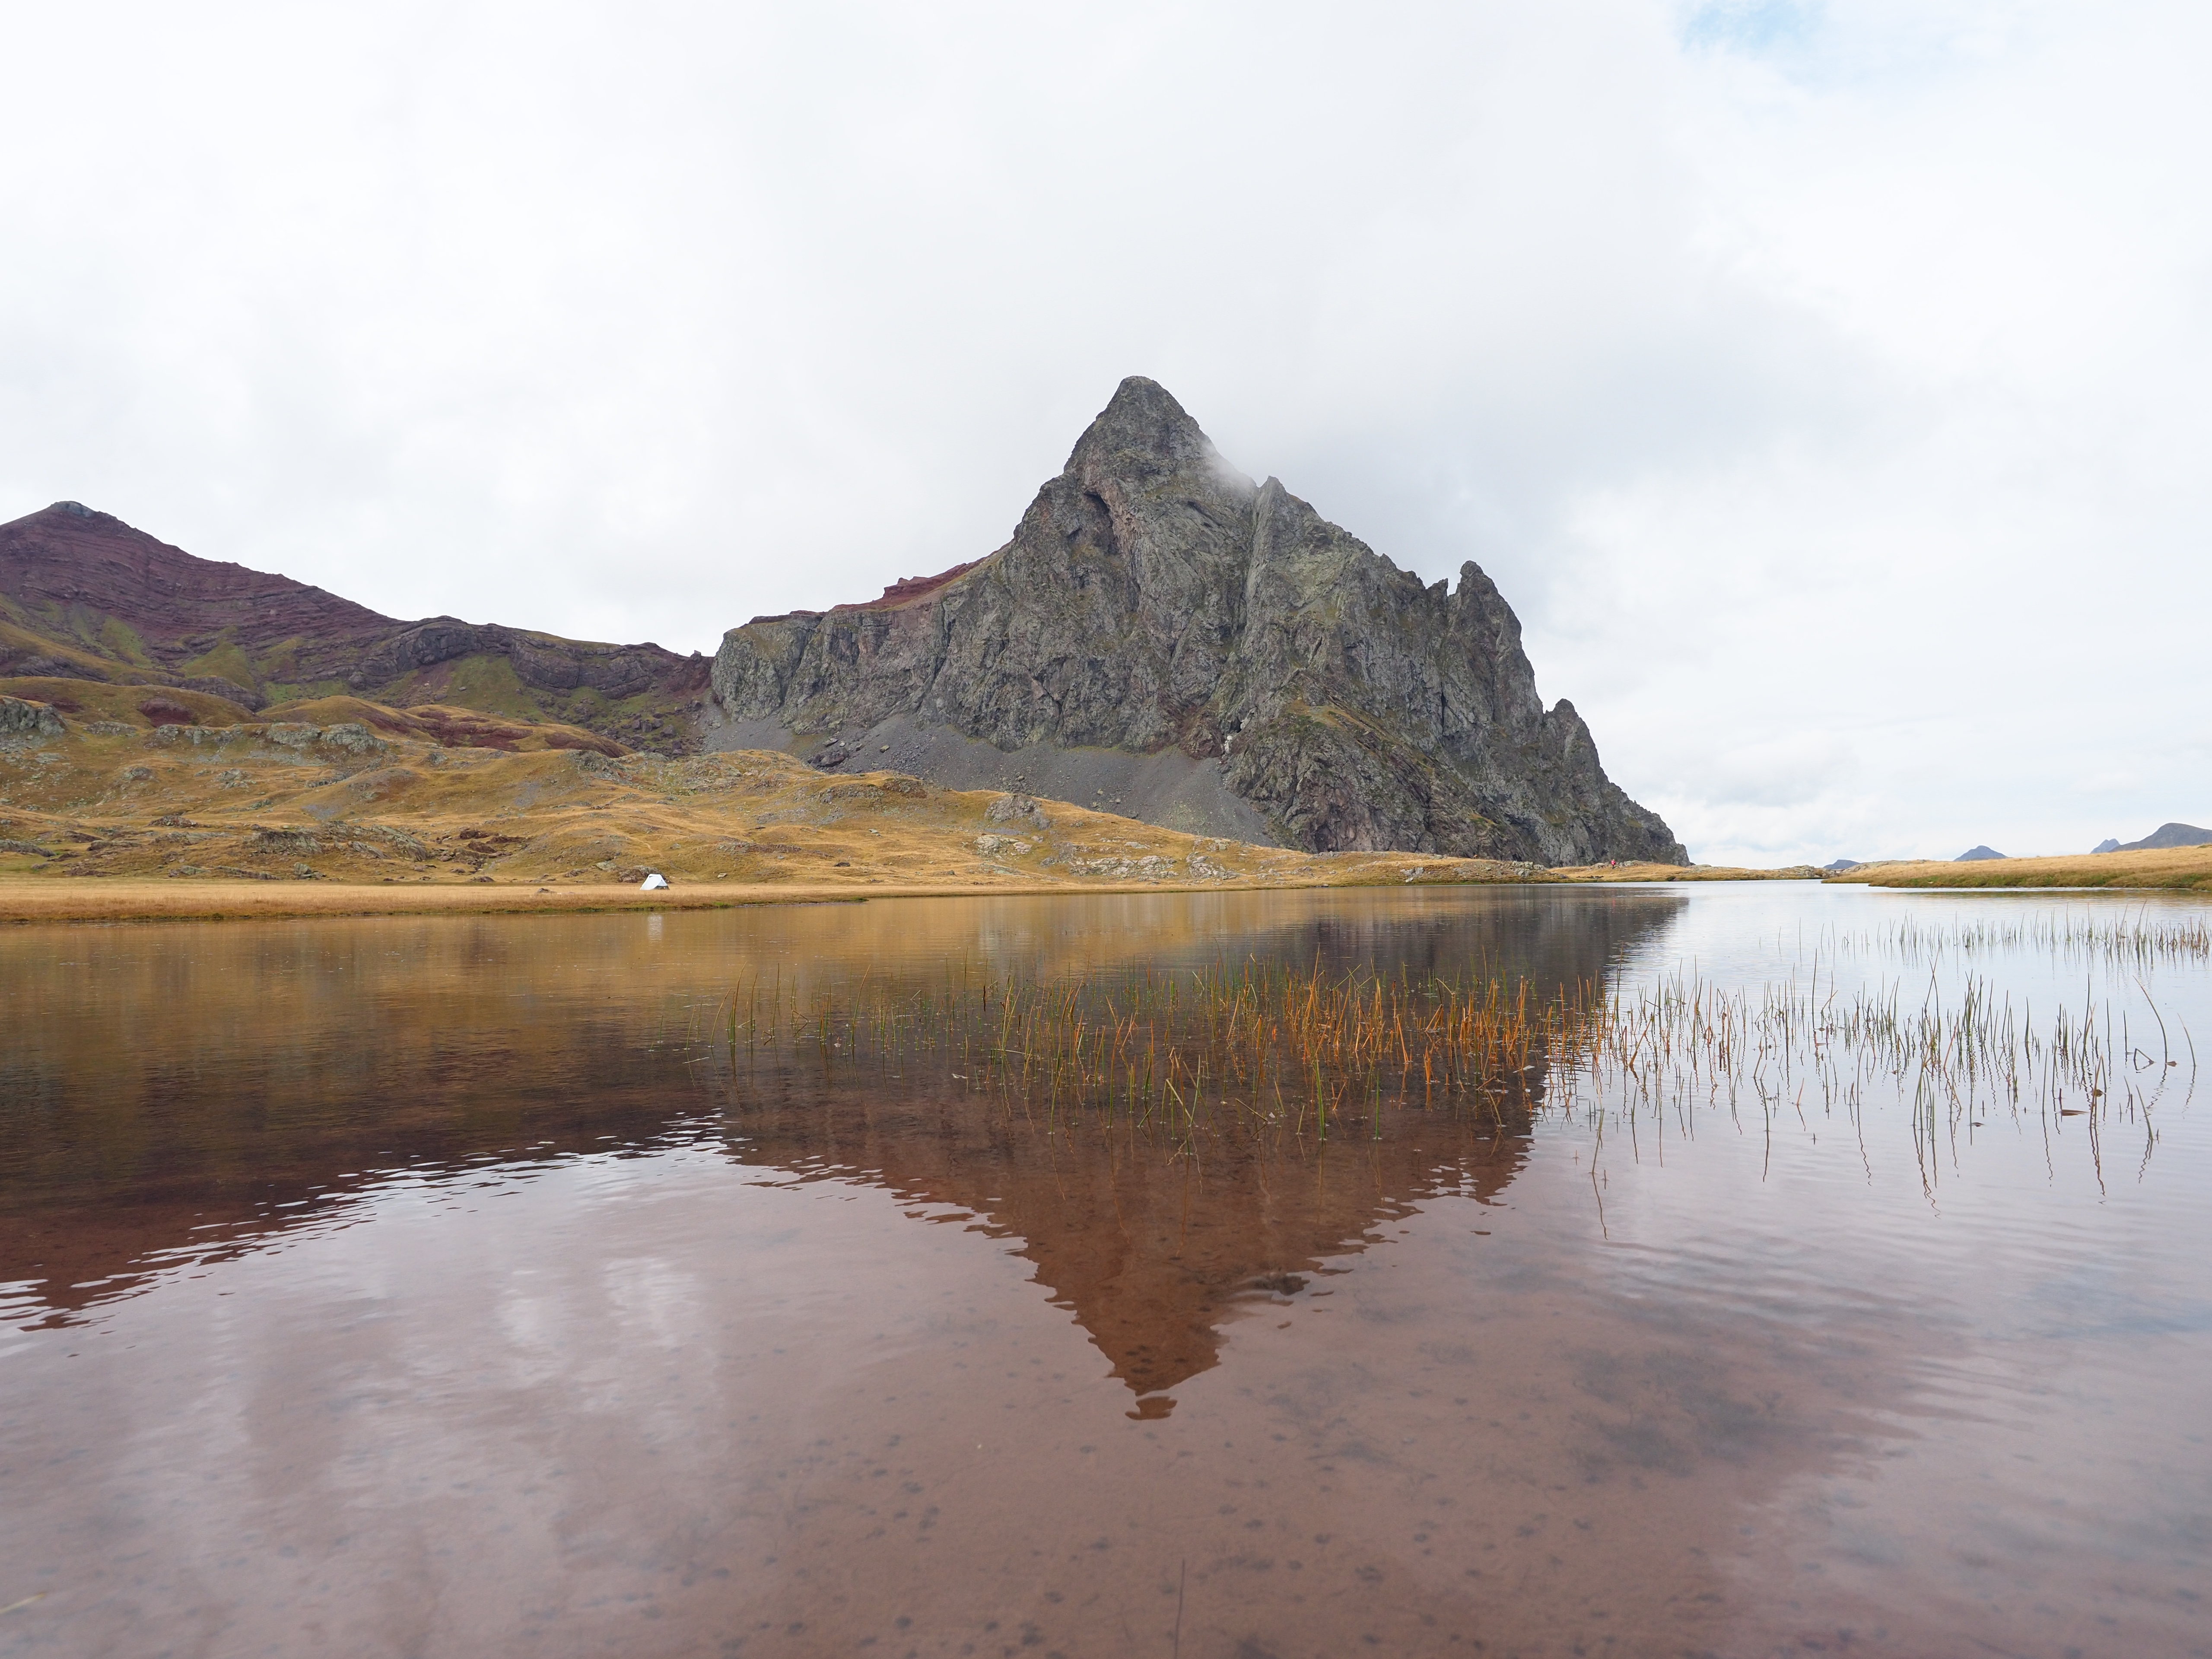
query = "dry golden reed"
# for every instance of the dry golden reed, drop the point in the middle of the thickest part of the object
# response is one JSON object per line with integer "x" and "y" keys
{"x": 1318, "y": 1052}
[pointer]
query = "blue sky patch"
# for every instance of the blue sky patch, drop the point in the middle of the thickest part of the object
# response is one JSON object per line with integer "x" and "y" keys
{"x": 1761, "y": 27}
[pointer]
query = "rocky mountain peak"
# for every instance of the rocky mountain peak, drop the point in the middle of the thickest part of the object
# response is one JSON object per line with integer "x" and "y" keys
{"x": 1142, "y": 434}
{"x": 80, "y": 520}
{"x": 1259, "y": 671}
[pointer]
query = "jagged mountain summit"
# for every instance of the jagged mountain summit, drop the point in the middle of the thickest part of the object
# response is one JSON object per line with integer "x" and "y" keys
{"x": 1164, "y": 637}
{"x": 85, "y": 596}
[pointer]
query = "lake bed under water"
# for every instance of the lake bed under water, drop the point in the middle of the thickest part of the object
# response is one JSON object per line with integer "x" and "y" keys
{"x": 487, "y": 1285}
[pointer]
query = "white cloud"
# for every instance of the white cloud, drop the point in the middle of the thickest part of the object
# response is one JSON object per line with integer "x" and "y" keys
{"x": 1824, "y": 385}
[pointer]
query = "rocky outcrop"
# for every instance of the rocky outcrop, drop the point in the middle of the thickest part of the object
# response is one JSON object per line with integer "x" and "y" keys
{"x": 85, "y": 596}
{"x": 22, "y": 718}
{"x": 1154, "y": 603}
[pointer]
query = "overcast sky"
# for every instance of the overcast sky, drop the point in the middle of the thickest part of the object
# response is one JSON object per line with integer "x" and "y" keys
{"x": 1827, "y": 386}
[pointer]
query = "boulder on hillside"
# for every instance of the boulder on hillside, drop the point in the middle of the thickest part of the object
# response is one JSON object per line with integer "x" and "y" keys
{"x": 25, "y": 718}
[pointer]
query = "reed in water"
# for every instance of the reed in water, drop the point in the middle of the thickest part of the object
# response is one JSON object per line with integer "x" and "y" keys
{"x": 1320, "y": 1052}
{"x": 1303, "y": 1049}
{"x": 2135, "y": 943}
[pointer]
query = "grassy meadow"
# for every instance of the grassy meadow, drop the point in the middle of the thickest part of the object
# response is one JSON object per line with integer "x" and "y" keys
{"x": 342, "y": 806}
{"x": 2185, "y": 868}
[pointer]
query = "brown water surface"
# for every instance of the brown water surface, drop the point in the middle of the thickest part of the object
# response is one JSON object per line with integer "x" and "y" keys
{"x": 462, "y": 1286}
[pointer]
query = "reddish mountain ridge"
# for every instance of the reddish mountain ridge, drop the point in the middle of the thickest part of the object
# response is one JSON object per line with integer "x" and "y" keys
{"x": 85, "y": 596}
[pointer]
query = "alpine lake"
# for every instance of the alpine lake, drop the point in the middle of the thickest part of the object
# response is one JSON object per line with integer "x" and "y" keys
{"x": 1738, "y": 1269}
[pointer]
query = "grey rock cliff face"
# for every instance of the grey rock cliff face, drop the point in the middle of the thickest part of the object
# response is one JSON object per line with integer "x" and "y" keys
{"x": 1153, "y": 601}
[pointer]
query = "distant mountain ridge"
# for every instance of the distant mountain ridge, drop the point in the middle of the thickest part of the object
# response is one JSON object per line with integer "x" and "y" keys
{"x": 1164, "y": 636}
{"x": 85, "y": 596}
{"x": 2167, "y": 834}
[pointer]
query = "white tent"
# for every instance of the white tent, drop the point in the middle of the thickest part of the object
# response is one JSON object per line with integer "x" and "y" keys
{"x": 654, "y": 882}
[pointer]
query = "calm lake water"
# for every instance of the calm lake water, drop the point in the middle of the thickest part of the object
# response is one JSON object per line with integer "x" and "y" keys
{"x": 482, "y": 1286}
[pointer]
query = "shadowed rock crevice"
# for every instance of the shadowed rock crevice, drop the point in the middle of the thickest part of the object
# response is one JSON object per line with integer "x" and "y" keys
{"x": 1155, "y": 601}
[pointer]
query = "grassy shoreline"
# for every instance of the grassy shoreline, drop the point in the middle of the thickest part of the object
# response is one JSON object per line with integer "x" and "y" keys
{"x": 26, "y": 901}
{"x": 2171, "y": 869}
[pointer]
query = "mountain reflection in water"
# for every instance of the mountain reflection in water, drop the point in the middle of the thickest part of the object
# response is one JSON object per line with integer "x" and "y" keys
{"x": 1150, "y": 1240}
{"x": 179, "y": 1095}
{"x": 489, "y": 1286}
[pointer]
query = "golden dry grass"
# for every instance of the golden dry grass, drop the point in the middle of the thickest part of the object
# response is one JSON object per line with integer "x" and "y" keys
{"x": 445, "y": 724}
{"x": 2186, "y": 868}
{"x": 96, "y": 700}
{"x": 294, "y": 818}
{"x": 29, "y": 899}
